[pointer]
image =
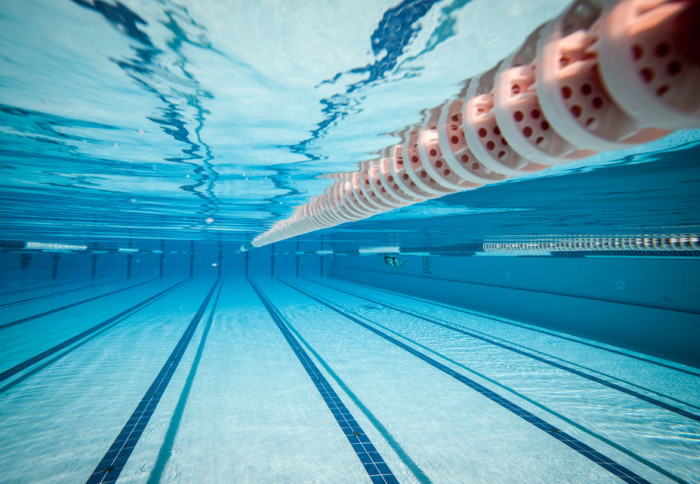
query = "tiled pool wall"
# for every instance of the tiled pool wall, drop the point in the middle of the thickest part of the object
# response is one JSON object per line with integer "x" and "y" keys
{"x": 645, "y": 304}
{"x": 142, "y": 259}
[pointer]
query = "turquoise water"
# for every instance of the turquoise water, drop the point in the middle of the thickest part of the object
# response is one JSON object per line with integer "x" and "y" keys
{"x": 544, "y": 329}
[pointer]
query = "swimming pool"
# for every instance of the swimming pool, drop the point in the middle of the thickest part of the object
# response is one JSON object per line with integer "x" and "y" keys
{"x": 182, "y": 298}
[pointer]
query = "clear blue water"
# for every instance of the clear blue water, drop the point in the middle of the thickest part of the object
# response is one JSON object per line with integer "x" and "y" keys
{"x": 147, "y": 141}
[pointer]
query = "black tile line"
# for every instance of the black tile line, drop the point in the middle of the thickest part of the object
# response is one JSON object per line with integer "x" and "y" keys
{"x": 166, "y": 448}
{"x": 572, "y": 442}
{"x": 645, "y": 389}
{"x": 46, "y": 363}
{"x": 370, "y": 458}
{"x": 537, "y": 404}
{"x": 44, "y": 296}
{"x": 38, "y": 288}
{"x": 45, "y": 354}
{"x": 530, "y": 328}
{"x": 118, "y": 454}
{"x": 524, "y": 289}
{"x": 420, "y": 476}
{"x": 87, "y": 338}
{"x": 574, "y": 371}
{"x": 68, "y": 306}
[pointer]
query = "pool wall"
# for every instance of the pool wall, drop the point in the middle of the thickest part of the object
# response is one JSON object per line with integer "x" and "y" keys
{"x": 645, "y": 304}
{"x": 648, "y": 304}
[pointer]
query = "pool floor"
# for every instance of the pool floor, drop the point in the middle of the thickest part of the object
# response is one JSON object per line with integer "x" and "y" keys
{"x": 300, "y": 380}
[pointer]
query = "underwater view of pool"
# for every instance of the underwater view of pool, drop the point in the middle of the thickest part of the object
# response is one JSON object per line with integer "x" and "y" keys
{"x": 410, "y": 241}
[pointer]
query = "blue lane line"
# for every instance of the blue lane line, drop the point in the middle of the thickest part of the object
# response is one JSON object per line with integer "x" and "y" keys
{"x": 45, "y": 354}
{"x": 115, "y": 459}
{"x": 400, "y": 452}
{"x": 15, "y": 303}
{"x": 67, "y": 306}
{"x": 166, "y": 448}
{"x": 585, "y": 450}
{"x": 27, "y": 289}
{"x": 372, "y": 461}
{"x": 510, "y": 323}
{"x": 614, "y": 386}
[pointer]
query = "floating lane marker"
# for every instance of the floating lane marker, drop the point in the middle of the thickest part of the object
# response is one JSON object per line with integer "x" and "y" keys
{"x": 67, "y": 306}
{"x": 115, "y": 459}
{"x": 372, "y": 461}
{"x": 45, "y": 354}
{"x": 569, "y": 440}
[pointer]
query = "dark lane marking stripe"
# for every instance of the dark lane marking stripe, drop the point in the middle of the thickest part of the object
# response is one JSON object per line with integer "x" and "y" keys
{"x": 606, "y": 375}
{"x": 68, "y": 306}
{"x": 372, "y": 461}
{"x": 614, "y": 386}
{"x": 495, "y": 318}
{"x": 572, "y": 442}
{"x": 45, "y": 354}
{"x": 115, "y": 459}
{"x": 76, "y": 289}
{"x": 400, "y": 452}
{"x": 535, "y": 291}
{"x": 37, "y": 288}
{"x": 166, "y": 447}
{"x": 537, "y": 404}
